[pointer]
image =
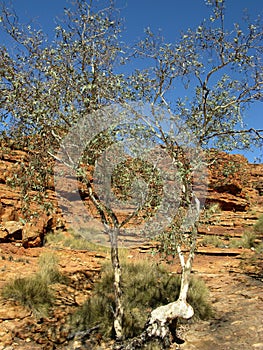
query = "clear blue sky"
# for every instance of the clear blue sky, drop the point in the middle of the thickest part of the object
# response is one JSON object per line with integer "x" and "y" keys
{"x": 172, "y": 16}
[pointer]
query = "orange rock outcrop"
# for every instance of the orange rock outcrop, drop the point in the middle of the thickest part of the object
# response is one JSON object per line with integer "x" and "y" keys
{"x": 235, "y": 187}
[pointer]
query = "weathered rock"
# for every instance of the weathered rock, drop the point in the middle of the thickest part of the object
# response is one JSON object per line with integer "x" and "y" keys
{"x": 235, "y": 185}
{"x": 11, "y": 312}
{"x": 11, "y": 230}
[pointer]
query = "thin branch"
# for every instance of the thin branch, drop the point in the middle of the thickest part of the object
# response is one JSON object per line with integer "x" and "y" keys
{"x": 234, "y": 132}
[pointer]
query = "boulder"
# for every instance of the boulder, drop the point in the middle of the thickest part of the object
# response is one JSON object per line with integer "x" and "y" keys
{"x": 11, "y": 230}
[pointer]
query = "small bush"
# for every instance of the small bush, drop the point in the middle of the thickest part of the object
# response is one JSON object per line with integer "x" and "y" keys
{"x": 248, "y": 239}
{"x": 259, "y": 248}
{"x": 48, "y": 269}
{"x": 31, "y": 292}
{"x": 54, "y": 238}
{"x": 258, "y": 227}
{"x": 34, "y": 291}
{"x": 211, "y": 213}
{"x": 212, "y": 240}
{"x": 152, "y": 345}
{"x": 71, "y": 241}
{"x": 145, "y": 287}
{"x": 78, "y": 243}
{"x": 235, "y": 243}
{"x": 198, "y": 298}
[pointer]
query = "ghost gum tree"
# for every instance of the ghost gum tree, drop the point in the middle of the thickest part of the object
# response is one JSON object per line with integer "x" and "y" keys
{"x": 221, "y": 72}
{"x": 48, "y": 86}
{"x": 114, "y": 168}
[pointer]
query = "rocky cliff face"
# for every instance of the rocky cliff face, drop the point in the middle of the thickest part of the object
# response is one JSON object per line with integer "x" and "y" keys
{"x": 14, "y": 226}
{"x": 234, "y": 200}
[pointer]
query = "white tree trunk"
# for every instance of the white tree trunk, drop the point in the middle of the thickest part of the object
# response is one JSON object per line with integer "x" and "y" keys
{"x": 118, "y": 312}
{"x": 163, "y": 316}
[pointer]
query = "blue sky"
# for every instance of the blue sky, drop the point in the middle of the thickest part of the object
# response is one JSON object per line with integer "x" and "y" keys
{"x": 172, "y": 16}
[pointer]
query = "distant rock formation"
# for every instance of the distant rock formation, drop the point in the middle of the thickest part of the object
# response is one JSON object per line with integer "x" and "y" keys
{"x": 236, "y": 188}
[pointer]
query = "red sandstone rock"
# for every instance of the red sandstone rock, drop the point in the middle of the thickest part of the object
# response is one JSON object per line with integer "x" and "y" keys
{"x": 235, "y": 185}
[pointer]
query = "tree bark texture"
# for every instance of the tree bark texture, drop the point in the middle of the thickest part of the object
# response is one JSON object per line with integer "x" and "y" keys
{"x": 118, "y": 312}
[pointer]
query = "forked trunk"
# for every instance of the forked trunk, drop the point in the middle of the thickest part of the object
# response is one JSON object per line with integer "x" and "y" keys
{"x": 163, "y": 316}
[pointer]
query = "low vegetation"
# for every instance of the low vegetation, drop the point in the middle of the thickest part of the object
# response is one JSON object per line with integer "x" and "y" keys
{"x": 31, "y": 292}
{"x": 213, "y": 240}
{"x": 251, "y": 238}
{"x": 248, "y": 240}
{"x": 34, "y": 292}
{"x": 145, "y": 286}
{"x": 74, "y": 240}
{"x": 258, "y": 227}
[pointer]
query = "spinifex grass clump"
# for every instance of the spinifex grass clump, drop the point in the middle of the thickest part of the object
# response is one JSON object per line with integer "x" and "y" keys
{"x": 31, "y": 292}
{"x": 145, "y": 286}
{"x": 48, "y": 269}
{"x": 213, "y": 240}
{"x": 248, "y": 240}
{"x": 34, "y": 291}
{"x": 258, "y": 227}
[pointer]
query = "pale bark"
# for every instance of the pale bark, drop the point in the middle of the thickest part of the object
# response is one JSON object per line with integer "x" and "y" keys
{"x": 161, "y": 318}
{"x": 164, "y": 317}
{"x": 118, "y": 312}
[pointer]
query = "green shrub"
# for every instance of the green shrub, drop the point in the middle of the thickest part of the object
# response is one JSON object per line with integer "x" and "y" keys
{"x": 34, "y": 291}
{"x": 235, "y": 243}
{"x": 152, "y": 345}
{"x": 258, "y": 227}
{"x": 54, "y": 238}
{"x": 48, "y": 269}
{"x": 145, "y": 287}
{"x": 259, "y": 248}
{"x": 76, "y": 241}
{"x": 72, "y": 241}
{"x": 198, "y": 298}
{"x": 248, "y": 239}
{"x": 215, "y": 241}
